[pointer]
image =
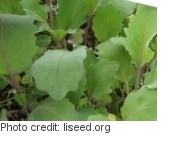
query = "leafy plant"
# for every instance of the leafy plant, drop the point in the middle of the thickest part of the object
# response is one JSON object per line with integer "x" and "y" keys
{"x": 78, "y": 60}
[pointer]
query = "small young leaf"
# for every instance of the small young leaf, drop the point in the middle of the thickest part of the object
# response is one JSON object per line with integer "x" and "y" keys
{"x": 20, "y": 98}
{"x": 59, "y": 71}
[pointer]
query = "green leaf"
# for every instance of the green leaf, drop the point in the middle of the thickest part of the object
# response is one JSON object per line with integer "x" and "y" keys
{"x": 125, "y": 7}
{"x": 33, "y": 8}
{"x": 3, "y": 115}
{"x": 3, "y": 83}
{"x": 43, "y": 40}
{"x": 140, "y": 105}
{"x": 151, "y": 78}
{"x": 142, "y": 28}
{"x": 107, "y": 22}
{"x": 26, "y": 79}
{"x": 92, "y": 5}
{"x": 153, "y": 44}
{"x": 84, "y": 113}
{"x": 98, "y": 117}
{"x": 74, "y": 96}
{"x": 51, "y": 110}
{"x": 100, "y": 78}
{"x": 59, "y": 71}
{"x": 20, "y": 98}
{"x": 16, "y": 48}
{"x": 72, "y": 14}
{"x": 114, "y": 50}
{"x": 39, "y": 12}
{"x": 12, "y": 7}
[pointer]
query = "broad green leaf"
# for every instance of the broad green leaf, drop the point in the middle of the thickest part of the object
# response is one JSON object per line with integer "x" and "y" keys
{"x": 33, "y": 8}
{"x": 51, "y": 110}
{"x": 10, "y": 7}
{"x": 72, "y": 14}
{"x": 100, "y": 78}
{"x": 98, "y": 117}
{"x": 125, "y": 7}
{"x": 3, "y": 115}
{"x": 17, "y": 43}
{"x": 140, "y": 105}
{"x": 59, "y": 71}
{"x": 114, "y": 50}
{"x": 92, "y": 5}
{"x": 142, "y": 28}
{"x": 39, "y": 12}
{"x": 107, "y": 22}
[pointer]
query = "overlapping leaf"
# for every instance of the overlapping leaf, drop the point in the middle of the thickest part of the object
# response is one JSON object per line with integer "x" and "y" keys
{"x": 10, "y": 7}
{"x": 141, "y": 30}
{"x": 140, "y": 105}
{"x": 100, "y": 78}
{"x": 114, "y": 50}
{"x": 107, "y": 22}
{"x": 72, "y": 14}
{"x": 17, "y": 43}
{"x": 59, "y": 71}
{"x": 33, "y": 8}
{"x": 151, "y": 78}
{"x": 125, "y": 7}
{"x": 92, "y": 5}
{"x": 54, "y": 110}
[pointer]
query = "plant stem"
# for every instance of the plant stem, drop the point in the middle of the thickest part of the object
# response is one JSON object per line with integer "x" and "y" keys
{"x": 4, "y": 101}
{"x": 138, "y": 77}
{"x": 127, "y": 87}
{"x": 49, "y": 2}
{"x": 87, "y": 29}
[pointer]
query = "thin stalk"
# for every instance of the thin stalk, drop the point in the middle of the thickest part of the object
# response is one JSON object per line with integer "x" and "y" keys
{"x": 6, "y": 100}
{"x": 127, "y": 87}
{"x": 138, "y": 77}
{"x": 49, "y": 2}
{"x": 87, "y": 29}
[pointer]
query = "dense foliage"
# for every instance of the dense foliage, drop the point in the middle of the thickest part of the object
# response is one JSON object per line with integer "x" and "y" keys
{"x": 78, "y": 60}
